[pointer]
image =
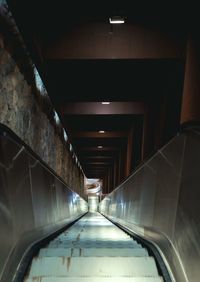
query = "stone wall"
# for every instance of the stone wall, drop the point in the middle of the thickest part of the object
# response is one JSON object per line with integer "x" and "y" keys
{"x": 30, "y": 114}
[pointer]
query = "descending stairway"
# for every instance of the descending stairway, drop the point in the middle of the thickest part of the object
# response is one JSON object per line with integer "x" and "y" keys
{"x": 93, "y": 250}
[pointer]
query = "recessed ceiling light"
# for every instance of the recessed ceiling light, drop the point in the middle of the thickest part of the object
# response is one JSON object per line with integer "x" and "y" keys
{"x": 116, "y": 20}
{"x": 105, "y": 103}
{"x": 101, "y": 131}
{"x": 100, "y": 147}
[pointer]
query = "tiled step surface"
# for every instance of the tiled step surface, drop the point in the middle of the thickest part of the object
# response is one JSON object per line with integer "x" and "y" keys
{"x": 90, "y": 266}
{"x": 95, "y": 279}
{"x": 94, "y": 243}
{"x": 90, "y": 252}
{"x": 93, "y": 250}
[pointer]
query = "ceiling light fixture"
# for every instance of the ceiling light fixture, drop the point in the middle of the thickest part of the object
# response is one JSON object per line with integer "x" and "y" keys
{"x": 101, "y": 131}
{"x": 116, "y": 20}
{"x": 100, "y": 147}
{"x": 105, "y": 103}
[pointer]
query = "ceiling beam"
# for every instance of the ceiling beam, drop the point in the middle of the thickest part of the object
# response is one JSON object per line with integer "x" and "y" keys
{"x": 98, "y": 157}
{"x": 97, "y": 134}
{"x": 96, "y": 175}
{"x": 98, "y": 163}
{"x": 96, "y": 171}
{"x": 97, "y": 108}
{"x": 101, "y": 168}
{"x": 98, "y": 149}
{"x": 128, "y": 41}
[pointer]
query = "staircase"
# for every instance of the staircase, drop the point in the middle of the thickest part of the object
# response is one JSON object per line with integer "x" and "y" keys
{"x": 93, "y": 250}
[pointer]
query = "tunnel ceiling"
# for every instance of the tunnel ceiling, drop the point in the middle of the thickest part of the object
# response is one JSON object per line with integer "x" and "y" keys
{"x": 84, "y": 61}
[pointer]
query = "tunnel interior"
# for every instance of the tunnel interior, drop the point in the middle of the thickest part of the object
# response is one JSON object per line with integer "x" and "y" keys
{"x": 82, "y": 98}
{"x": 138, "y": 67}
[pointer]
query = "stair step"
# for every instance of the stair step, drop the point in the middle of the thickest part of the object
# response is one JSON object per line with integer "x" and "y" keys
{"x": 94, "y": 266}
{"x": 94, "y": 238}
{"x": 88, "y": 243}
{"x": 94, "y": 279}
{"x": 93, "y": 250}
{"x": 93, "y": 246}
{"x": 90, "y": 252}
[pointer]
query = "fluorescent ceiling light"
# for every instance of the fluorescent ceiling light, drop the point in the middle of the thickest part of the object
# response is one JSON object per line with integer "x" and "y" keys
{"x": 105, "y": 103}
{"x": 100, "y": 147}
{"x": 101, "y": 131}
{"x": 116, "y": 20}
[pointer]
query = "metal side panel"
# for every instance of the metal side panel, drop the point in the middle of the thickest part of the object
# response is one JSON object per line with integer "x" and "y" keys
{"x": 34, "y": 203}
{"x": 160, "y": 202}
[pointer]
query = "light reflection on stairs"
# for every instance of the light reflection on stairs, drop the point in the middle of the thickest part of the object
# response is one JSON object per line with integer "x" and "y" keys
{"x": 93, "y": 250}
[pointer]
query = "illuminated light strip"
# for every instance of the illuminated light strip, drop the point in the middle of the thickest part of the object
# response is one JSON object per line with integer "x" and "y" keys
{"x": 65, "y": 135}
{"x": 105, "y": 103}
{"x": 56, "y": 117}
{"x": 116, "y": 20}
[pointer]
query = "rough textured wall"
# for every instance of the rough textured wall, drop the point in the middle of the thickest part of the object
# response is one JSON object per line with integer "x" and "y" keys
{"x": 23, "y": 111}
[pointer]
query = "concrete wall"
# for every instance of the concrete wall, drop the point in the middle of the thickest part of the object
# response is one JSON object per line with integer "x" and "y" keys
{"x": 160, "y": 202}
{"x": 27, "y": 110}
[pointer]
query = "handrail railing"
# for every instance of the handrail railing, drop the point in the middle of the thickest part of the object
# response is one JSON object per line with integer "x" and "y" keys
{"x": 35, "y": 202}
{"x": 5, "y": 130}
